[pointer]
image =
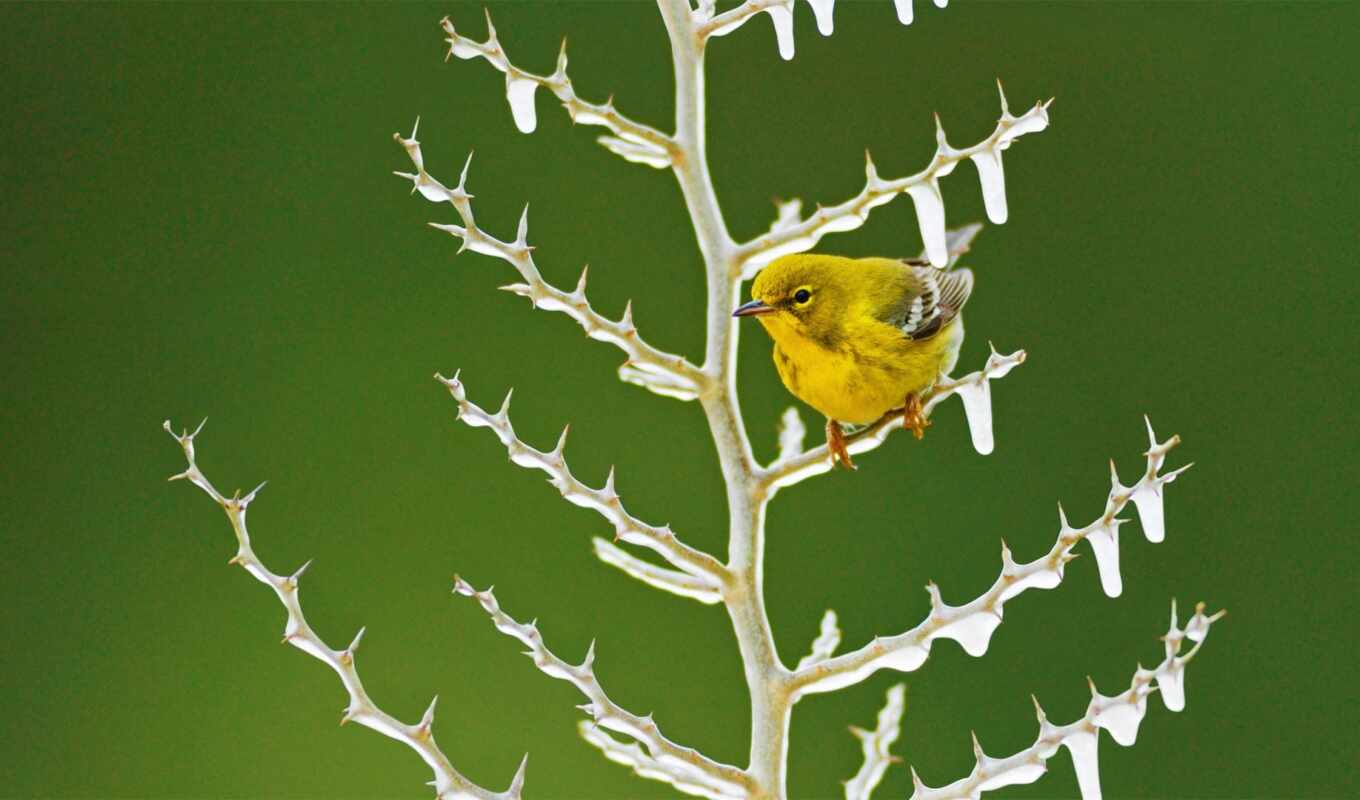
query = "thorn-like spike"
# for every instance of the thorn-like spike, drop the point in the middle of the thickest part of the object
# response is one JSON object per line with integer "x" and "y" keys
{"x": 627, "y": 320}
{"x": 504, "y": 411}
{"x": 358, "y": 637}
{"x": 562, "y": 440}
{"x": 939, "y": 131}
{"x": 1039, "y": 710}
{"x": 1062, "y": 516}
{"x": 517, "y": 782}
{"x": 297, "y": 576}
{"x": 977, "y": 747}
{"x": 522, "y": 233}
{"x": 916, "y": 780}
{"x": 1152, "y": 437}
{"x": 1092, "y": 684}
{"x": 1000, "y": 90}
{"x": 611, "y": 494}
{"x": 490, "y": 29}
{"x": 199, "y": 429}
{"x": 427, "y": 719}
{"x": 1114, "y": 475}
{"x": 589, "y": 660}
{"x": 581, "y": 282}
{"x": 462, "y": 176}
{"x": 870, "y": 171}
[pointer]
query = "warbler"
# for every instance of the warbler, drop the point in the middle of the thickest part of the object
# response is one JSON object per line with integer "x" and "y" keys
{"x": 857, "y": 337}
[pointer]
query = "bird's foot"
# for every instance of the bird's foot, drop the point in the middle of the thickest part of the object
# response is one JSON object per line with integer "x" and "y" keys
{"x": 913, "y": 418}
{"x": 835, "y": 442}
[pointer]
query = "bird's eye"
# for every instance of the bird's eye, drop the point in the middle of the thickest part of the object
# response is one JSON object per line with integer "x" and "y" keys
{"x": 802, "y": 296}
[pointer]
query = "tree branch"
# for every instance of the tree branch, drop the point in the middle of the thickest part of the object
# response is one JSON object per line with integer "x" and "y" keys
{"x": 448, "y": 782}
{"x": 675, "y": 763}
{"x": 681, "y": 583}
{"x": 604, "y": 500}
{"x": 1119, "y": 715}
{"x": 972, "y": 624}
{"x": 794, "y": 467}
{"x": 875, "y": 744}
{"x": 633, "y": 141}
{"x": 659, "y": 371}
{"x": 924, "y": 188}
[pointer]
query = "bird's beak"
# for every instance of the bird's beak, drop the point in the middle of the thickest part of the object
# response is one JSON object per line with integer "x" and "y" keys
{"x": 752, "y": 308}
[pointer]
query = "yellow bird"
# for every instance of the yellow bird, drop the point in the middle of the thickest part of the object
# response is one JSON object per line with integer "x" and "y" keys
{"x": 857, "y": 337}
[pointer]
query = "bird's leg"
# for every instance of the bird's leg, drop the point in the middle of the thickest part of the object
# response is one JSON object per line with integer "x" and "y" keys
{"x": 912, "y": 418}
{"x": 835, "y": 442}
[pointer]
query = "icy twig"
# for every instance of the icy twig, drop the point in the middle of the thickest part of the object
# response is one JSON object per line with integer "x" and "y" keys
{"x": 604, "y": 500}
{"x": 828, "y": 639}
{"x": 924, "y": 188}
{"x": 680, "y": 583}
{"x": 781, "y": 14}
{"x": 674, "y": 764}
{"x": 1119, "y": 715}
{"x": 875, "y": 743}
{"x": 972, "y": 624}
{"x": 449, "y": 783}
{"x": 632, "y": 140}
{"x": 974, "y": 389}
{"x": 663, "y": 373}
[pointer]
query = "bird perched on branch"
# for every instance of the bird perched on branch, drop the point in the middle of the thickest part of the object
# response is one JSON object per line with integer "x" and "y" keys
{"x": 858, "y": 337}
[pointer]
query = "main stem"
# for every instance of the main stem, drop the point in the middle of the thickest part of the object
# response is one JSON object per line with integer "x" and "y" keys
{"x": 766, "y": 677}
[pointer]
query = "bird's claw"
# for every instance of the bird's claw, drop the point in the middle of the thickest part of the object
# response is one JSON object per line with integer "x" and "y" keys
{"x": 835, "y": 443}
{"x": 912, "y": 417}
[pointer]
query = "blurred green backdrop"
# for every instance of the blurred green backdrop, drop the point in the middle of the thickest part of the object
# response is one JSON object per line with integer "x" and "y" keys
{"x": 199, "y": 219}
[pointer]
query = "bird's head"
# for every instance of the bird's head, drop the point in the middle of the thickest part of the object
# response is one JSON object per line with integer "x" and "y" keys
{"x": 803, "y": 296}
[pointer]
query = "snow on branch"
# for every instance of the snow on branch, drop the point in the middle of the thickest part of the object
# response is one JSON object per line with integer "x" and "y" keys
{"x": 972, "y": 624}
{"x": 973, "y": 389}
{"x": 875, "y": 744}
{"x": 1118, "y": 715}
{"x": 781, "y": 14}
{"x": 924, "y": 188}
{"x": 633, "y": 141}
{"x": 673, "y": 763}
{"x": 708, "y": 572}
{"x": 448, "y": 782}
{"x": 661, "y": 372}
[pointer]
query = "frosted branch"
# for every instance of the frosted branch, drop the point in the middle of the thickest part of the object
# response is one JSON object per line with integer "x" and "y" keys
{"x": 972, "y": 624}
{"x": 1119, "y": 715}
{"x": 924, "y": 188}
{"x": 604, "y": 500}
{"x": 875, "y": 744}
{"x": 632, "y": 140}
{"x": 828, "y": 639}
{"x": 682, "y": 583}
{"x": 448, "y": 783}
{"x": 673, "y": 763}
{"x": 973, "y": 389}
{"x": 781, "y": 14}
{"x": 663, "y": 373}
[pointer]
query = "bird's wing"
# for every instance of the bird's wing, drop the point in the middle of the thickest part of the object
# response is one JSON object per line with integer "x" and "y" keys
{"x": 932, "y": 298}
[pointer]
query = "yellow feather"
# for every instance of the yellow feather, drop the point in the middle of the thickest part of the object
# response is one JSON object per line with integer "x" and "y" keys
{"x": 835, "y": 351}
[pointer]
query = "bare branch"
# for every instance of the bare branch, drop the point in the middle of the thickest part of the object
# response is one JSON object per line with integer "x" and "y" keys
{"x": 924, "y": 188}
{"x": 675, "y": 763}
{"x": 604, "y": 500}
{"x": 662, "y": 372}
{"x": 682, "y": 583}
{"x": 448, "y": 782}
{"x": 828, "y": 639}
{"x": 973, "y": 389}
{"x": 632, "y": 140}
{"x": 875, "y": 744}
{"x": 972, "y": 624}
{"x": 1119, "y": 715}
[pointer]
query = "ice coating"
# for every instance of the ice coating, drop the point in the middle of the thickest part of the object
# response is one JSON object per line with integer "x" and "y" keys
{"x": 636, "y": 152}
{"x": 973, "y": 632}
{"x": 822, "y": 10}
{"x": 1120, "y": 717}
{"x": 1105, "y": 543}
{"x": 977, "y": 407}
{"x": 782, "y": 16}
{"x": 904, "y": 11}
{"x": 993, "y": 180}
{"x": 930, "y": 216}
{"x": 520, "y": 92}
{"x": 1148, "y": 498}
{"x": 1086, "y": 763}
{"x": 1171, "y": 684}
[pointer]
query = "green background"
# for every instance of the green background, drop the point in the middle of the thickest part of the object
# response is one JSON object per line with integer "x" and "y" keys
{"x": 199, "y": 220}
